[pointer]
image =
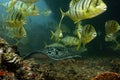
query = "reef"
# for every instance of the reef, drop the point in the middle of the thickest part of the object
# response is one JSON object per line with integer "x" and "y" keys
{"x": 107, "y": 76}
{"x": 14, "y": 67}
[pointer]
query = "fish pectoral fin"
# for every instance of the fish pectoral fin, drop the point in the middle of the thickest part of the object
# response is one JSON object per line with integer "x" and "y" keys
{"x": 62, "y": 13}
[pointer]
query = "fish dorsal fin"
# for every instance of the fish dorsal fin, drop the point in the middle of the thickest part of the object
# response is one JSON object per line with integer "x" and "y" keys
{"x": 72, "y": 2}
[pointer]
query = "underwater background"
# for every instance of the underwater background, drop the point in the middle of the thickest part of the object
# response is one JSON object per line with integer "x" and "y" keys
{"x": 31, "y": 60}
{"x": 39, "y": 27}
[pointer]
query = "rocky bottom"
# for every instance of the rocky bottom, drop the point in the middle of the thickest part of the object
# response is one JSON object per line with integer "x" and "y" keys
{"x": 14, "y": 67}
{"x": 70, "y": 69}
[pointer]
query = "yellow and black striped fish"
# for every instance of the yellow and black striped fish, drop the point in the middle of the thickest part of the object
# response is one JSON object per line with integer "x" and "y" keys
{"x": 15, "y": 19}
{"x": 13, "y": 2}
{"x": 15, "y": 15}
{"x": 111, "y": 29}
{"x": 14, "y": 23}
{"x": 71, "y": 41}
{"x": 88, "y": 34}
{"x": 31, "y": 10}
{"x": 10, "y": 5}
{"x": 84, "y": 9}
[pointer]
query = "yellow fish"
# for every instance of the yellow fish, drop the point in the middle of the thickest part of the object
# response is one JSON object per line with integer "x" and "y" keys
{"x": 14, "y": 19}
{"x": 19, "y": 34}
{"x": 13, "y": 4}
{"x": 84, "y": 9}
{"x": 88, "y": 34}
{"x": 20, "y": 6}
{"x": 71, "y": 41}
{"x": 57, "y": 34}
{"x": 111, "y": 29}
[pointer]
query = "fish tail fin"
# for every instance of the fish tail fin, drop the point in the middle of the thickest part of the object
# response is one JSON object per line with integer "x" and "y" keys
{"x": 63, "y": 14}
{"x": 3, "y": 5}
{"x": 52, "y": 35}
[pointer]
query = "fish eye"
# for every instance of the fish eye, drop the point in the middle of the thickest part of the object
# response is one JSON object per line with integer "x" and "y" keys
{"x": 24, "y": 35}
{"x": 94, "y": 34}
{"x": 105, "y": 8}
{"x": 109, "y": 35}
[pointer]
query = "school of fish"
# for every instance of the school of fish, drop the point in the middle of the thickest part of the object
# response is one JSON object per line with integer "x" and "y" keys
{"x": 112, "y": 28}
{"x": 15, "y": 20}
{"x": 63, "y": 39}
{"x": 80, "y": 10}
